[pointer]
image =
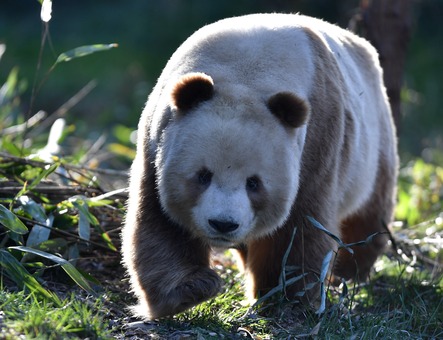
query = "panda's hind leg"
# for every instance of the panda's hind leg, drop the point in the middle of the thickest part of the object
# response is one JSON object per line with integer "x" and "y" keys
{"x": 357, "y": 265}
{"x": 372, "y": 219}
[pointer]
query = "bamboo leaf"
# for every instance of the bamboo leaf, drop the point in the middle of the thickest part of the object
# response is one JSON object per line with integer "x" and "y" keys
{"x": 278, "y": 289}
{"x": 45, "y": 173}
{"x": 46, "y": 11}
{"x": 36, "y": 181}
{"x": 318, "y": 225}
{"x": 108, "y": 241}
{"x": 55, "y": 245}
{"x": 84, "y": 227}
{"x": 40, "y": 233}
{"x": 325, "y": 265}
{"x": 73, "y": 253}
{"x": 83, "y": 51}
{"x": 322, "y": 306}
{"x": 324, "y": 271}
{"x": 10, "y": 85}
{"x": 80, "y": 203}
{"x": 17, "y": 273}
{"x": 121, "y": 150}
{"x": 33, "y": 208}
{"x": 11, "y": 221}
{"x": 285, "y": 259}
{"x": 67, "y": 267}
{"x": 89, "y": 277}
{"x": 103, "y": 197}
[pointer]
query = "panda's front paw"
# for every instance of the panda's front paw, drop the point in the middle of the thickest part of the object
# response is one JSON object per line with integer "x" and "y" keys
{"x": 200, "y": 287}
{"x": 196, "y": 288}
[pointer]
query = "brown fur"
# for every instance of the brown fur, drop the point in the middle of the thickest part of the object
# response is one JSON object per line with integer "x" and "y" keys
{"x": 192, "y": 89}
{"x": 290, "y": 109}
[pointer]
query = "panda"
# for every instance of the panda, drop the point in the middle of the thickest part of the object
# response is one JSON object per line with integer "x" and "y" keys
{"x": 257, "y": 125}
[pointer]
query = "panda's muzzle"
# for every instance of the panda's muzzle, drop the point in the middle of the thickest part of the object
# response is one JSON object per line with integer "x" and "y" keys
{"x": 223, "y": 226}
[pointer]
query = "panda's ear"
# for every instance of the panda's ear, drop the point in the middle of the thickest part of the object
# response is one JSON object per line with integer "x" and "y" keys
{"x": 192, "y": 89}
{"x": 290, "y": 109}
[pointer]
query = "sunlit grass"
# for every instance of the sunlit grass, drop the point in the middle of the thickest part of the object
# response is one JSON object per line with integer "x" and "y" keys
{"x": 402, "y": 299}
{"x": 23, "y": 316}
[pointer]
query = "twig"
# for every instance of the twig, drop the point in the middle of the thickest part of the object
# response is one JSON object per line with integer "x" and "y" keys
{"x": 52, "y": 189}
{"x": 93, "y": 149}
{"x": 39, "y": 116}
{"x": 61, "y": 111}
{"x": 35, "y": 89}
{"x": 40, "y": 164}
{"x": 64, "y": 233}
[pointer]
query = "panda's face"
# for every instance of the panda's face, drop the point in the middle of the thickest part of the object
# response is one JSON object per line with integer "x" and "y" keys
{"x": 226, "y": 174}
{"x": 224, "y": 181}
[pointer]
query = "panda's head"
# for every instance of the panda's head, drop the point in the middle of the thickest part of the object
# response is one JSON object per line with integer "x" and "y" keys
{"x": 228, "y": 164}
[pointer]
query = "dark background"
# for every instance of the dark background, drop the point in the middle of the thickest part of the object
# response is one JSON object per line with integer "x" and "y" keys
{"x": 148, "y": 32}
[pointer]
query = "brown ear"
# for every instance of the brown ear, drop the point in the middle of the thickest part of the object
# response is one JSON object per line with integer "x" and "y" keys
{"x": 192, "y": 89}
{"x": 290, "y": 109}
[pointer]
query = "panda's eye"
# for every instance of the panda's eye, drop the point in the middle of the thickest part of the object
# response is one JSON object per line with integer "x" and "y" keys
{"x": 253, "y": 183}
{"x": 204, "y": 177}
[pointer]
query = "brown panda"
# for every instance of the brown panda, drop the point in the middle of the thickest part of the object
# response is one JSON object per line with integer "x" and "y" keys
{"x": 256, "y": 123}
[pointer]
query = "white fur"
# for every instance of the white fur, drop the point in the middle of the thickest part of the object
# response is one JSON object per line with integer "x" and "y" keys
{"x": 249, "y": 60}
{"x": 224, "y": 205}
{"x": 223, "y": 145}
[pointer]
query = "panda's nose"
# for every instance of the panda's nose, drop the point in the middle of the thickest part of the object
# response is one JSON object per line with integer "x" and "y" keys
{"x": 223, "y": 226}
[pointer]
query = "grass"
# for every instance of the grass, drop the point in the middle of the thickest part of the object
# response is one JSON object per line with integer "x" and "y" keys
{"x": 24, "y": 316}
{"x": 396, "y": 303}
{"x": 399, "y": 301}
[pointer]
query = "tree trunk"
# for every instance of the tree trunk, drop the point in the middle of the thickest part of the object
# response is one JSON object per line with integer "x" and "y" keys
{"x": 387, "y": 25}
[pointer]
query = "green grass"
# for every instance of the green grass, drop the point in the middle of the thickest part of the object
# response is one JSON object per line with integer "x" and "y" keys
{"x": 24, "y": 316}
{"x": 400, "y": 301}
{"x": 397, "y": 302}
{"x": 403, "y": 299}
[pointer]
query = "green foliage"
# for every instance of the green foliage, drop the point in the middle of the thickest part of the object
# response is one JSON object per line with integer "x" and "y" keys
{"x": 46, "y": 217}
{"x": 125, "y": 145}
{"x": 47, "y": 204}
{"x": 75, "y": 275}
{"x": 420, "y": 192}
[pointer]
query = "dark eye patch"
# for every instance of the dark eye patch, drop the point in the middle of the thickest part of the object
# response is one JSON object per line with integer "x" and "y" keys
{"x": 257, "y": 193}
{"x": 253, "y": 183}
{"x": 204, "y": 177}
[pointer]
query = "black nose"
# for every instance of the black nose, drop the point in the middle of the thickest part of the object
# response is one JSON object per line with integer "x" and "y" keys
{"x": 223, "y": 226}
